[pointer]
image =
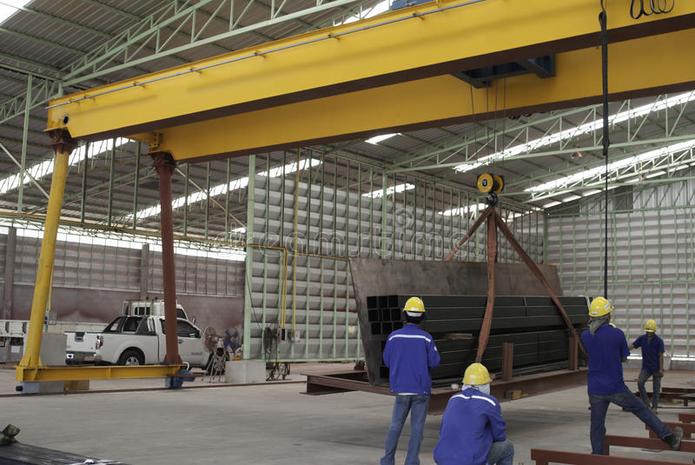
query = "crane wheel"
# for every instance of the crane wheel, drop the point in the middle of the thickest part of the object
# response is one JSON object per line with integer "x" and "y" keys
{"x": 485, "y": 183}
{"x": 499, "y": 183}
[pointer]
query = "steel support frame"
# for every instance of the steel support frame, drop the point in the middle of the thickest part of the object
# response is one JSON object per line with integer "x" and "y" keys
{"x": 31, "y": 367}
{"x": 9, "y": 276}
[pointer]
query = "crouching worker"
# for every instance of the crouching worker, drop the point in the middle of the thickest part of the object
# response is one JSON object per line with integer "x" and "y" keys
{"x": 409, "y": 354}
{"x": 473, "y": 431}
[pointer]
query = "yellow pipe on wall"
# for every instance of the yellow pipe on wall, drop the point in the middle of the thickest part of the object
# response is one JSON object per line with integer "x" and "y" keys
{"x": 32, "y": 351}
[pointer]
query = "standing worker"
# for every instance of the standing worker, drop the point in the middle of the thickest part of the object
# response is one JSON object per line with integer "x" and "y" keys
{"x": 473, "y": 431}
{"x": 606, "y": 348}
{"x": 409, "y": 354}
{"x": 652, "y": 363}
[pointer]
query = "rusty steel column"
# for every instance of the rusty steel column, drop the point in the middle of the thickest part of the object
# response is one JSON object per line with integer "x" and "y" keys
{"x": 165, "y": 164}
{"x": 489, "y": 308}
{"x": 573, "y": 353}
{"x": 507, "y": 361}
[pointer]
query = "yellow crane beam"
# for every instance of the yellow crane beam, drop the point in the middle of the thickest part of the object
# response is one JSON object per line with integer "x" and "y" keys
{"x": 80, "y": 373}
{"x": 641, "y": 67}
{"x": 415, "y": 43}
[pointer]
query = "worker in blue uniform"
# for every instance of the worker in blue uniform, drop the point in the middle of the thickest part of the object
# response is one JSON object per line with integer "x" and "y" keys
{"x": 606, "y": 348}
{"x": 473, "y": 431}
{"x": 652, "y": 363}
{"x": 409, "y": 354}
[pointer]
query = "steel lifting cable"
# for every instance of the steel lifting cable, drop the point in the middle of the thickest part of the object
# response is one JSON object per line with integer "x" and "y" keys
{"x": 603, "y": 20}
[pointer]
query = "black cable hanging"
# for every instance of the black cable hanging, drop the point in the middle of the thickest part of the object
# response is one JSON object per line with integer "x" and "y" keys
{"x": 603, "y": 20}
{"x": 639, "y": 8}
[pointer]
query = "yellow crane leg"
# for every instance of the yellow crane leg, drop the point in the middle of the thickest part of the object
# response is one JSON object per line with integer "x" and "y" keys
{"x": 63, "y": 146}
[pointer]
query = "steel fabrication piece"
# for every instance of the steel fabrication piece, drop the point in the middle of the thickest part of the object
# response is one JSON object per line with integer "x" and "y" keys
{"x": 451, "y": 280}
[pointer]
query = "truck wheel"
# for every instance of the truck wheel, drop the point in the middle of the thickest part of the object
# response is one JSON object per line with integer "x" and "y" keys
{"x": 131, "y": 357}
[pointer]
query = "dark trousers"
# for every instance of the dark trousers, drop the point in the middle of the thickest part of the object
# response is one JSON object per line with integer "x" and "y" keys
{"x": 656, "y": 391}
{"x": 417, "y": 407}
{"x": 628, "y": 401}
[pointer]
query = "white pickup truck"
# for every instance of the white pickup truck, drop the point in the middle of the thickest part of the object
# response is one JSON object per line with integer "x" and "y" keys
{"x": 82, "y": 345}
{"x": 141, "y": 340}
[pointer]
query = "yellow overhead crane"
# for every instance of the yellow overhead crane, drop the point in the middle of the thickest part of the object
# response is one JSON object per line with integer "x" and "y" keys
{"x": 394, "y": 71}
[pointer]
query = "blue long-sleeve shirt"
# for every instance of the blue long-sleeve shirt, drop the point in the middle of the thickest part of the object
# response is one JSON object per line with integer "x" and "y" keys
{"x": 472, "y": 421}
{"x": 606, "y": 349}
{"x": 409, "y": 354}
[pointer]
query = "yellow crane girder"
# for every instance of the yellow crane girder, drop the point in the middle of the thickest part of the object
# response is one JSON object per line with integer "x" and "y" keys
{"x": 415, "y": 43}
{"x": 638, "y": 68}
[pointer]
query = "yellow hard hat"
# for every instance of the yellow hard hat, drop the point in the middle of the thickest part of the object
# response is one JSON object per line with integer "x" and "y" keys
{"x": 476, "y": 374}
{"x": 650, "y": 326}
{"x": 599, "y": 307}
{"x": 414, "y": 305}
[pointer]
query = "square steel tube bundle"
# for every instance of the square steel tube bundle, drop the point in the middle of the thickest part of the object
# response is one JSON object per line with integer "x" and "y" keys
{"x": 532, "y": 324}
{"x": 454, "y": 295}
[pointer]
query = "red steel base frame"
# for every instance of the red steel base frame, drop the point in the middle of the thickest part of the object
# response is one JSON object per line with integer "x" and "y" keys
{"x": 321, "y": 383}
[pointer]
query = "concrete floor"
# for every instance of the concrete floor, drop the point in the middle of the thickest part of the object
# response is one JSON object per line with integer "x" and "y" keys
{"x": 275, "y": 424}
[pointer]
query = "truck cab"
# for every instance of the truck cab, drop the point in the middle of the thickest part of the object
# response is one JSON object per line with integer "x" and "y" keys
{"x": 147, "y": 307}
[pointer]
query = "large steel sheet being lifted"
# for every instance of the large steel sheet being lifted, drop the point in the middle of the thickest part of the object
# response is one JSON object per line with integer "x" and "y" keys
{"x": 429, "y": 278}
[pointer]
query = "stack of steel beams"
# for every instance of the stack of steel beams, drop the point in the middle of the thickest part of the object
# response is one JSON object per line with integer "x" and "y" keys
{"x": 531, "y": 323}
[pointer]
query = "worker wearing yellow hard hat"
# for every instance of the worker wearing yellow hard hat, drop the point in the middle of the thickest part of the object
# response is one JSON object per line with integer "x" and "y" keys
{"x": 652, "y": 363}
{"x": 473, "y": 430}
{"x": 410, "y": 353}
{"x": 606, "y": 348}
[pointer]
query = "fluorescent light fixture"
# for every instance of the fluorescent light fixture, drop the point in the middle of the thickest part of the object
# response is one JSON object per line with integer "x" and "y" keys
{"x": 375, "y": 10}
{"x": 42, "y": 169}
{"x": 551, "y": 204}
{"x": 10, "y": 7}
{"x": 223, "y": 188}
{"x": 241, "y": 230}
{"x": 614, "y": 166}
{"x": 591, "y": 192}
{"x": 125, "y": 241}
{"x": 585, "y": 128}
{"x": 467, "y": 210}
{"x": 397, "y": 189}
{"x": 377, "y": 139}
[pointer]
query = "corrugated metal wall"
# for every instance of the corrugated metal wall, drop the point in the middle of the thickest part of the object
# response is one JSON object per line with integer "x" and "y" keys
{"x": 310, "y": 293}
{"x": 92, "y": 276}
{"x": 651, "y": 257}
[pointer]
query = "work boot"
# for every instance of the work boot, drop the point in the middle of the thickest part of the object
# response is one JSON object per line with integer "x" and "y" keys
{"x": 674, "y": 439}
